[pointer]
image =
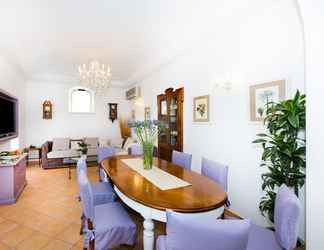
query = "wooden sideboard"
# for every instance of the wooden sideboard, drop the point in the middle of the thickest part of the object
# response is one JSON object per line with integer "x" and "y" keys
{"x": 12, "y": 179}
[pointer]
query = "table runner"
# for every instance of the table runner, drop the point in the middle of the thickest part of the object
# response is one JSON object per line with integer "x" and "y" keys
{"x": 157, "y": 176}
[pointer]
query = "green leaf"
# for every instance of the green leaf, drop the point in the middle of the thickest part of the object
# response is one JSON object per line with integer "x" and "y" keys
{"x": 259, "y": 141}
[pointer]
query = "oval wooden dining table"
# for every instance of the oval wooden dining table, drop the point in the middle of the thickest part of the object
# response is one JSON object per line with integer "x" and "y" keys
{"x": 202, "y": 198}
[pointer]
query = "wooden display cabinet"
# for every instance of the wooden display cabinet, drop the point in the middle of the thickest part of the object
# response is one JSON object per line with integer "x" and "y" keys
{"x": 170, "y": 110}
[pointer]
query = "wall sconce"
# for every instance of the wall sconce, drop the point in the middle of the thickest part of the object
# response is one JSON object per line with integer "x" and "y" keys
{"x": 113, "y": 115}
{"x": 47, "y": 110}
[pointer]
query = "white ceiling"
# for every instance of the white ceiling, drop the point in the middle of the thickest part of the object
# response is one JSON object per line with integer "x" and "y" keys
{"x": 52, "y": 37}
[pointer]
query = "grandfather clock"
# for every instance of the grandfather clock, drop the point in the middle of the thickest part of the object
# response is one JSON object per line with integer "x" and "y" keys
{"x": 170, "y": 110}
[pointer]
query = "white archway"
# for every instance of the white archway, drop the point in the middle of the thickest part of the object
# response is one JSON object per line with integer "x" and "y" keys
{"x": 311, "y": 13}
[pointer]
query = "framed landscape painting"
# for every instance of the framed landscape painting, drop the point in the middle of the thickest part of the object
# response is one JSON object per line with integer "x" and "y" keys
{"x": 261, "y": 94}
{"x": 201, "y": 109}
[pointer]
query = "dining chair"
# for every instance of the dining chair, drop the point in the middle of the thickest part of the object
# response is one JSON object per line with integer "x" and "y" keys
{"x": 202, "y": 233}
{"x": 136, "y": 150}
{"x": 286, "y": 224}
{"x": 181, "y": 159}
{"x": 216, "y": 172}
{"x": 103, "y": 191}
{"x": 108, "y": 225}
{"x": 104, "y": 153}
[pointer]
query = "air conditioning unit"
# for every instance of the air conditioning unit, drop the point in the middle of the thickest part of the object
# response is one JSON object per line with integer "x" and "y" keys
{"x": 133, "y": 93}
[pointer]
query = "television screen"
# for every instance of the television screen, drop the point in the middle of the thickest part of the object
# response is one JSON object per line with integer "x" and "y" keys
{"x": 8, "y": 116}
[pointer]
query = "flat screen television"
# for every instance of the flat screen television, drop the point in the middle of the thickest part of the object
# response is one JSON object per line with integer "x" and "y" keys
{"x": 8, "y": 116}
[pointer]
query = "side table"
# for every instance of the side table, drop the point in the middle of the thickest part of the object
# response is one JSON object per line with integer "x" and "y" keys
{"x": 36, "y": 150}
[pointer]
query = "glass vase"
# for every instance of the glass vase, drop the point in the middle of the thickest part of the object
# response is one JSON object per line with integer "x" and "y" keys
{"x": 147, "y": 155}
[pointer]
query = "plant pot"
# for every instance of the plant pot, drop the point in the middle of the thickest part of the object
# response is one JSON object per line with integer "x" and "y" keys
{"x": 147, "y": 155}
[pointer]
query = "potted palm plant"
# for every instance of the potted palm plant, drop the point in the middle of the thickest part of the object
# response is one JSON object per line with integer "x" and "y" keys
{"x": 146, "y": 132}
{"x": 283, "y": 149}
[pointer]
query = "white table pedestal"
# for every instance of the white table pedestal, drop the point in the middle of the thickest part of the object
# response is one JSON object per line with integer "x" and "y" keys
{"x": 149, "y": 214}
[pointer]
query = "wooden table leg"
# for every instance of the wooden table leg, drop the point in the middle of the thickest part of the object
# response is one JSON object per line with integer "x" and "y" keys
{"x": 69, "y": 172}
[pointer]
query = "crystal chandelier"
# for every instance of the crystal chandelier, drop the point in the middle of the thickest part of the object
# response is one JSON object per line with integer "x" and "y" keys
{"x": 95, "y": 75}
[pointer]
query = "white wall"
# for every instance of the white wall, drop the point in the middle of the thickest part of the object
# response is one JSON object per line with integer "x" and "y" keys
{"x": 312, "y": 14}
{"x": 65, "y": 124}
{"x": 251, "y": 47}
{"x": 13, "y": 82}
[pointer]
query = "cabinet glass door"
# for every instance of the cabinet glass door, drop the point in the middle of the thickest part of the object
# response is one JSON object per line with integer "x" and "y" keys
{"x": 173, "y": 121}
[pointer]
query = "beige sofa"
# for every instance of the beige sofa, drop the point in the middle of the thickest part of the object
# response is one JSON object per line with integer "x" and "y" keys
{"x": 61, "y": 151}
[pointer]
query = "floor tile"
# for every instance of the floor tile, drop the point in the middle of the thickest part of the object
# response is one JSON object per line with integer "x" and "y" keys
{"x": 54, "y": 226}
{"x": 35, "y": 242}
{"x": 17, "y": 235}
{"x": 70, "y": 234}
{"x": 7, "y": 226}
{"x": 57, "y": 245}
{"x": 4, "y": 247}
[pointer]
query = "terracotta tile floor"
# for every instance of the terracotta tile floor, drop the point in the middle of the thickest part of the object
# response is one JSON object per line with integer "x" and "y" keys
{"x": 47, "y": 214}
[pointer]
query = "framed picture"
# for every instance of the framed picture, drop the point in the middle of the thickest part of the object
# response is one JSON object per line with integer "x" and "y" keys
{"x": 201, "y": 109}
{"x": 261, "y": 94}
{"x": 147, "y": 113}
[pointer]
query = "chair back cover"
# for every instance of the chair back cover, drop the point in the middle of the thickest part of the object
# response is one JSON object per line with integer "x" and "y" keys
{"x": 198, "y": 233}
{"x": 136, "y": 150}
{"x": 86, "y": 195}
{"x": 286, "y": 217}
{"x": 81, "y": 165}
{"x": 105, "y": 152}
{"x": 215, "y": 171}
{"x": 181, "y": 159}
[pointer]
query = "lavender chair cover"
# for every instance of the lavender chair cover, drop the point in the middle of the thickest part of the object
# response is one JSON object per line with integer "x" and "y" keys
{"x": 112, "y": 224}
{"x": 136, "y": 150}
{"x": 201, "y": 233}
{"x": 181, "y": 159}
{"x": 217, "y": 172}
{"x": 102, "y": 191}
{"x": 286, "y": 219}
{"x": 104, "y": 153}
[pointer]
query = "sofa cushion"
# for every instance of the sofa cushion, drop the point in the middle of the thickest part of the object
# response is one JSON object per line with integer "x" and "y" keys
{"x": 104, "y": 142}
{"x": 61, "y": 144}
{"x": 92, "y": 142}
{"x": 92, "y": 152}
{"x": 74, "y": 144}
{"x": 116, "y": 142}
{"x": 63, "y": 154}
